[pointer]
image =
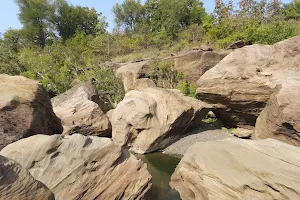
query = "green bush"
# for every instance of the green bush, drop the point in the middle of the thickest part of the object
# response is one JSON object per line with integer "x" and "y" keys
{"x": 187, "y": 89}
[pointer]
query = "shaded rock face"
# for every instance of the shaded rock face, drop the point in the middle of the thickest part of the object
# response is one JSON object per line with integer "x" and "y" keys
{"x": 80, "y": 112}
{"x": 238, "y": 44}
{"x": 17, "y": 183}
{"x": 240, "y": 169}
{"x": 81, "y": 167}
{"x": 147, "y": 120}
{"x": 25, "y": 110}
{"x": 132, "y": 76}
{"x": 280, "y": 118}
{"x": 194, "y": 64}
{"x": 243, "y": 82}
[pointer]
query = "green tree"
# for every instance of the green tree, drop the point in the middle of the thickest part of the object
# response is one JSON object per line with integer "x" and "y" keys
{"x": 35, "y": 15}
{"x": 128, "y": 14}
{"x": 71, "y": 19}
{"x": 292, "y": 10}
{"x": 12, "y": 38}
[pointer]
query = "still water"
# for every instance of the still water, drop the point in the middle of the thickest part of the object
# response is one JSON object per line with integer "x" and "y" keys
{"x": 161, "y": 168}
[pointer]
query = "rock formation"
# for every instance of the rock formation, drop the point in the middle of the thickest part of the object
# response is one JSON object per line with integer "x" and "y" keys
{"x": 239, "y": 169}
{"x": 149, "y": 119}
{"x": 280, "y": 118}
{"x": 17, "y": 183}
{"x": 80, "y": 112}
{"x": 25, "y": 110}
{"x": 243, "y": 81}
{"x": 194, "y": 64}
{"x": 81, "y": 167}
{"x": 132, "y": 76}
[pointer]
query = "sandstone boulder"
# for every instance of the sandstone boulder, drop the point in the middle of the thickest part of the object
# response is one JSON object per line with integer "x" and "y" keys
{"x": 25, "y": 110}
{"x": 149, "y": 119}
{"x": 239, "y": 169}
{"x": 194, "y": 64}
{"x": 244, "y": 81}
{"x": 280, "y": 118}
{"x": 242, "y": 133}
{"x": 133, "y": 76}
{"x": 17, "y": 183}
{"x": 80, "y": 112}
{"x": 81, "y": 167}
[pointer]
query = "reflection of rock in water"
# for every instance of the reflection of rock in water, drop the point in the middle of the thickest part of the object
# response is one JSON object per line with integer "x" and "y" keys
{"x": 173, "y": 195}
{"x": 161, "y": 168}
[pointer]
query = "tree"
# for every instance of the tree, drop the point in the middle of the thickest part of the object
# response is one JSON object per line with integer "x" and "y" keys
{"x": 292, "y": 10}
{"x": 128, "y": 14}
{"x": 35, "y": 16}
{"x": 12, "y": 39}
{"x": 72, "y": 19}
{"x": 274, "y": 8}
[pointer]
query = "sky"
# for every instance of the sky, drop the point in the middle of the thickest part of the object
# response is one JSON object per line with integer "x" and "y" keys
{"x": 9, "y": 11}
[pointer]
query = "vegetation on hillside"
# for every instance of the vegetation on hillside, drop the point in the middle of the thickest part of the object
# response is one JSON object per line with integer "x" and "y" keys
{"x": 60, "y": 42}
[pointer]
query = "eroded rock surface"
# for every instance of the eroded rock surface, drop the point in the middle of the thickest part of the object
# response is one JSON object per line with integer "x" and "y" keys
{"x": 25, "y": 110}
{"x": 239, "y": 169}
{"x": 280, "y": 118}
{"x": 80, "y": 112}
{"x": 17, "y": 183}
{"x": 244, "y": 80}
{"x": 81, "y": 167}
{"x": 149, "y": 119}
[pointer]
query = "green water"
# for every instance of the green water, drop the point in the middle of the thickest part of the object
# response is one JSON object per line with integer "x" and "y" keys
{"x": 161, "y": 168}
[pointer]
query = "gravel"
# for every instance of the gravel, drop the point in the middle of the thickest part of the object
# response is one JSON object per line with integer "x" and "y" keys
{"x": 181, "y": 146}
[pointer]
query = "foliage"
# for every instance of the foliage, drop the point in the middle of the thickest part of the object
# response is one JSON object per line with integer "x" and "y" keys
{"x": 209, "y": 120}
{"x": 163, "y": 74}
{"x": 187, "y": 89}
{"x": 292, "y": 10}
{"x": 72, "y": 19}
{"x": 128, "y": 14}
{"x": 35, "y": 17}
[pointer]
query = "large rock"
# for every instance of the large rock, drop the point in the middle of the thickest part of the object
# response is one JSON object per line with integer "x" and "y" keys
{"x": 133, "y": 76}
{"x": 25, "y": 110}
{"x": 17, "y": 183}
{"x": 80, "y": 112}
{"x": 239, "y": 169}
{"x": 81, "y": 167}
{"x": 243, "y": 81}
{"x": 280, "y": 118}
{"x": 149, "y": 119}
{"x": 194, "y": 64}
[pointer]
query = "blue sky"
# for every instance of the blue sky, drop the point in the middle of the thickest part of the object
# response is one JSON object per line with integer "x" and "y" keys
{"x": 9, "y": 11}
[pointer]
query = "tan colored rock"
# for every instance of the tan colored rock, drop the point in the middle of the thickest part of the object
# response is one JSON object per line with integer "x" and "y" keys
{"x": 25, "y": 110}
{"x": 149, "y": 119}
{"x": 243, "y": 81}
{"x": 280, "y": 118}
{"x": 242, "y": 133}
{"x": 239, "y": 169}
{"x": 194, "y": 64}
{"x": 81, "y": 167}
{"x": 79, "y": 111}
{"x": 132, "y": 76}
{"x": 17, "y": 183}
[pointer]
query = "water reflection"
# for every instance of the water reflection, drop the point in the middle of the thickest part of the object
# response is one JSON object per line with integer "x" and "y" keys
{"x": 161, "y": 167}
